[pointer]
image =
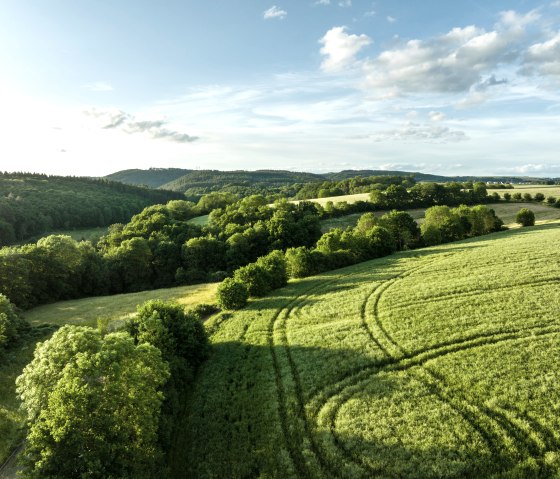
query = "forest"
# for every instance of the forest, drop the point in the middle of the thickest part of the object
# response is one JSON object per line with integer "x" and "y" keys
{"x": 32, "y": 204}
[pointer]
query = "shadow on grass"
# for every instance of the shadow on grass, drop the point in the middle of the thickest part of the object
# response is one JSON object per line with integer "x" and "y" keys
{"x": 251, "y": 415}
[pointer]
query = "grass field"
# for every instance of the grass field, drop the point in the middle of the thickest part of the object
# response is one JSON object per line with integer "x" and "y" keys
{"x": 79, "y": 312}
{"x": 546, "y": 190}
{"x": 440, "y": 362}
{"x": 199, "y": 220}
{"x": 506, "y": 211}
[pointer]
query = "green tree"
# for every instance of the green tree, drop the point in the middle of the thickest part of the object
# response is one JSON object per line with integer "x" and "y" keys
{"x": 93, "y": 406}
{"x": 525, "y": 217}
{"x": 232, "y": 294}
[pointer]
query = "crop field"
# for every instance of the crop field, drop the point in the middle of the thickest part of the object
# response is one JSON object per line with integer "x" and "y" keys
{"x": 546, "y": 190}
{"x": 336, "y": 199}
{"x": 440, "y": 362}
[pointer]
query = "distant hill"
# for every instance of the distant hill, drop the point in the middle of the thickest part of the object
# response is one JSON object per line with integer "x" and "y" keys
{"x": 198, "y": 182}
{"x": 194, "y": 183}
{"x": 31, "y": 204}
{"x": 153, "y": 177}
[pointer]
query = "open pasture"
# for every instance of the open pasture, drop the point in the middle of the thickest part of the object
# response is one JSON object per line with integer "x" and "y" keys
{"x": 84, "y": 312}
{"x": 546, "y": 190}
{"x": 440, "y": 362}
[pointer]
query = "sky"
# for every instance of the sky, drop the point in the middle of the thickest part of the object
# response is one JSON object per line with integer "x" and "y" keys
{"x": 438, "y": 86}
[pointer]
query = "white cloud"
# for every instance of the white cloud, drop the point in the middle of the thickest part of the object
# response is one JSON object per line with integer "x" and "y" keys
{"x": 98, "y": 86}
{"x": 345, "y": 3}
{"x": 391, "y": 19}
{"x": 323, "y": 2}
{"x": 370, "y": 13}
{"x": 536, "y": 168}
{"x": 340, "y": 48}
{"x": 436, "y": 116}
{"x": 423, "y": 133}
{"x": 543, "y": 58}
{"x": 275, "y": 12}
{"x": 451, "y": 63}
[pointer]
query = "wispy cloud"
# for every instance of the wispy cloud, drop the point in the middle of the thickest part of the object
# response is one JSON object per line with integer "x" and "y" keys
{"x": 323, "y": 2}
{"x": 340, "y": 48}
{"x": 113, "y": 119}
{"x": 345, "y": 3}
{"x": 418, "y": 132}
{"x": 391, "y": 19}
{"x": 98, "y": 86}
{"x": 275, "y": 12}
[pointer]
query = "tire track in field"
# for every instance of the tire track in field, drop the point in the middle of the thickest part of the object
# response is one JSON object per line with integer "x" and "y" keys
{"x": 525, "y": 438}
{"x": 460, "y": 405}
{"x": 476, "y": 292}
{"x": 351, "y": 384}
{"x": 294, "y": 437}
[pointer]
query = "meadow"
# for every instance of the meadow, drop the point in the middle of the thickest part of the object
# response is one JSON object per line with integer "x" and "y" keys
{"x": 439, "y": 362}
{"x": 83, "y": 312}
{"x": 546, "y": 190}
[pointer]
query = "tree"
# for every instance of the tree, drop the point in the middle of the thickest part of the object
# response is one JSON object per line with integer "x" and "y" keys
{"x": 93, "y": 406}
{"x": 11, "y": 325}
{"x": 232, "y": 294}
{"x": 525, "y": 217}
{"x": 539, "y": 197}
{"x": 403, "y": 228}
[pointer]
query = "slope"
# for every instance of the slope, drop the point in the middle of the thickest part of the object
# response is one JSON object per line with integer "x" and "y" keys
{"x": 430, "y": 363}
{"x": 152, "y": 177}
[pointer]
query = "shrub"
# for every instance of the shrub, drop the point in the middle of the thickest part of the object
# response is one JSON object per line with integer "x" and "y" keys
{"x": 551, "y": 200}
{"x": 255, "y": 278}
{"x": 527, "y": 197}
{"x": 517, "y": 196}
{"x": 275, "y": 265}
{"x": 507, "y": 196}
{"x": 539, "y": 197}
{"x": 525, "y": 217}
{"x": 232, "y": 294}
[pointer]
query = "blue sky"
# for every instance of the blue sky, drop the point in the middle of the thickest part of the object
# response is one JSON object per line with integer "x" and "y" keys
{"x": 470, "y": 87}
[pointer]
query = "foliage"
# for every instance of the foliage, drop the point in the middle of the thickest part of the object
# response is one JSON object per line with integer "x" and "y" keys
{"x": 232, "y": 294}
{"x": 11, "y": 325}
{"x": 525, "y": 217}
{"x": 31, "y": 204}
{"x": 93, "y": 406}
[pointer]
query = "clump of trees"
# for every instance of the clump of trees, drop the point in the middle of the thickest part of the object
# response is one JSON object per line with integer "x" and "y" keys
{"x": 11, "y": 325}
{"x": 525, "y": 217}
{"x": 443, "y": 224}
{"x": 102, "y": 405}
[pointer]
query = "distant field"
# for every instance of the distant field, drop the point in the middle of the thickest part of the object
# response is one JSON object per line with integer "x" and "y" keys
{"x": 546, "y": 190}
{"x": 199, "y": 220}
{"x": 118, "y": 307}
{"x": 506, "y": 211}
{"x": 336, "y": 199}
{"x": 440, "y": 362}
{"x": 79, "y": 312}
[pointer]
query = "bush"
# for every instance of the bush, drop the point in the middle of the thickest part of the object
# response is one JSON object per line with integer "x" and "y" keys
{"x": 275, "y": 265}
{"x": 551, "y": 200}
{"x": 527, "y": 197}
{"x": 232, "y": 294}
{"x": 539, "y": 197}
{"x": 525, "y": 217}
{"x": 256, "y": 278}
{"x": 507, "y": 196}
{"x": 11, "y": 325}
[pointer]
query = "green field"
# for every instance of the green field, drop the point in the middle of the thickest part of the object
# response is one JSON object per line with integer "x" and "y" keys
{"x": 506, "y": 211}
{"x": 440, "y": 362}
{"x": 200, "y": 220}
{"x": 546, "y": 190}
{"x": 80, "y": 312}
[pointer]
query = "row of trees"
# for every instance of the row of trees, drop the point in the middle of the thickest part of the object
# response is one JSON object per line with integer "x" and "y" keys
{"x": 372, "y": 237}
{"x": 102, "y": 405}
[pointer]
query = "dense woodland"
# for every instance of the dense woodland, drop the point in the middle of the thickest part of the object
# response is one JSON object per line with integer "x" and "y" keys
{"x": 32, "y": 204}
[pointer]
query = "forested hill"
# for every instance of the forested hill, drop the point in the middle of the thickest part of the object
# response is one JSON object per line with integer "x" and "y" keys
{"x": 346, "y": 174}
{"x": 153, "y": 177}
{"x": 31, "y": 204}
{"x": 199, "y": 182}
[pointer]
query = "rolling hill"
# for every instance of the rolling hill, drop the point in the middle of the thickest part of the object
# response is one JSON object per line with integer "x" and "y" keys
{"x": 153, "y": 177}
{"x": 439, "y": 362}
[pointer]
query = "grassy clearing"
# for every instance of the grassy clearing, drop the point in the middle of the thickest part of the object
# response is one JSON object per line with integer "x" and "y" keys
{"x": 118, "y": 307}
{"x": 546, "y": 190}
{"x": 200, "y": 220}
{"x": 80, "y": 312}
{"x": 336, "y": 199}
{"x": 430, "y": 363}
{"x": 506, "y": 211}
